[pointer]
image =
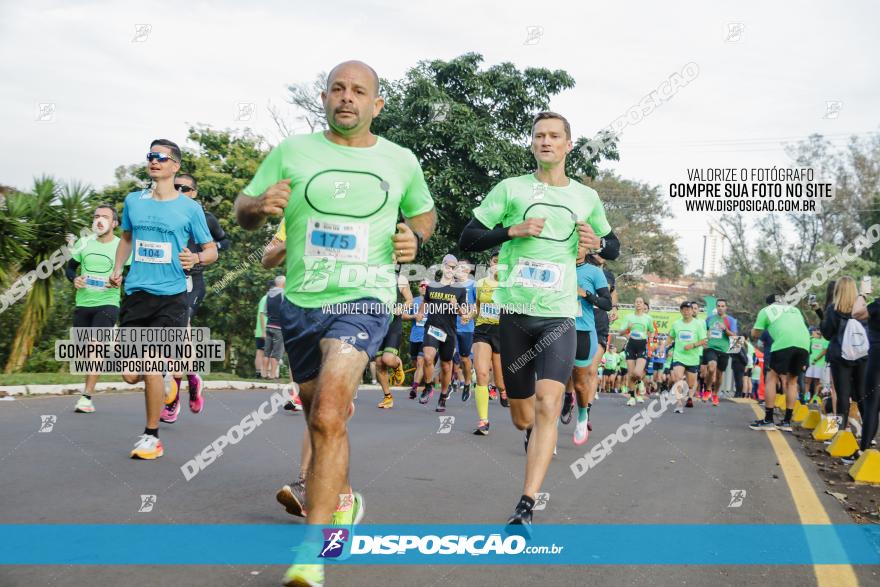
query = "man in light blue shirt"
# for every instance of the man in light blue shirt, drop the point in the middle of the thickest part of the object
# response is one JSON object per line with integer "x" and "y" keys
{"x": 157, "y": 224}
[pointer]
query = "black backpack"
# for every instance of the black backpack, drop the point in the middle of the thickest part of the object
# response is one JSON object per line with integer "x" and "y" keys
{"x": 273, "y": 309}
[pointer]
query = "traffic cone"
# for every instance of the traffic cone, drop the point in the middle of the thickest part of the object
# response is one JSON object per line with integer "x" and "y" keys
{"x": 843, "y": 445}
{"x": 867, "y": 468}
{"x": 780, "y": 401}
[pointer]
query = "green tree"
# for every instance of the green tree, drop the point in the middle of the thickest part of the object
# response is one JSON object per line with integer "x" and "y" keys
{"x": 14, "y": 233}
{"x": 636, "y": 212}
{"x": 777, "y": 251}
{"x": 52, "y": 211}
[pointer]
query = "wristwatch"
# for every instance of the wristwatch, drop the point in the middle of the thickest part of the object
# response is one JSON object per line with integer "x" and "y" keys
{"x": 419, "y": 240}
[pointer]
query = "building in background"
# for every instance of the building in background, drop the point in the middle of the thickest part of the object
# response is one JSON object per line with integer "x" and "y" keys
{"x": 713, "y": 253}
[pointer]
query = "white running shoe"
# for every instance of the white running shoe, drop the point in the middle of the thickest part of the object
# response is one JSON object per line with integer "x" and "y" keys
{"x": 84, "y": 405}
{"x": 147, "y": 447}
{"x": 581, "y": 432}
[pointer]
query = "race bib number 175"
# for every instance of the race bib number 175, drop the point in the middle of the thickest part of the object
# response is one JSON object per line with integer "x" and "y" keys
{"x": 346, "y": 241}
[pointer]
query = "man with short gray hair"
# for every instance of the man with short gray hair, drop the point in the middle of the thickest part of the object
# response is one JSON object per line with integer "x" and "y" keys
{"x": 274, "y": 340}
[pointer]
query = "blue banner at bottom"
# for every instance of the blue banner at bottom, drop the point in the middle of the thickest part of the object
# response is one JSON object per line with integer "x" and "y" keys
{"x": 482, "y": 544}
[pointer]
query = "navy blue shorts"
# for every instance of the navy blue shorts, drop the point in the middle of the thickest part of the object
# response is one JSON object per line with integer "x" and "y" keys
{"x": 363, "y": 325}
{"x": 465, "y": 343}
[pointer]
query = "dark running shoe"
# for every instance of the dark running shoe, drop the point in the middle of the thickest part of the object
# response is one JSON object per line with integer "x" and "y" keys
{"x": 567, "y": 408}
{"x": 520, "y": 522}
{"x": 762, "y": 425}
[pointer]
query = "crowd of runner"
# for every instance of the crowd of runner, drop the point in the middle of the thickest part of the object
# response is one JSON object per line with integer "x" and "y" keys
{"x": 541, "y": 332}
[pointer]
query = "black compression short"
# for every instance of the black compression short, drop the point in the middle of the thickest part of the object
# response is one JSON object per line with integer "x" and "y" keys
{"x": 391, "y": 342}
{"x": 534, "y": 348}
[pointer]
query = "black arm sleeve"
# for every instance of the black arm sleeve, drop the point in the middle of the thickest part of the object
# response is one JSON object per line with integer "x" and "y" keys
{"x": 611, "y": 250}
{"x": 477, "y": 237}
{"x": 217, "y": 233}
{"x": 70, "y": 269}
{"x": 601, "y": 299}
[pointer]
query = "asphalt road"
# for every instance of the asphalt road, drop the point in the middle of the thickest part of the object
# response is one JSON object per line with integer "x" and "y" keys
{"x": 678, "y": 469}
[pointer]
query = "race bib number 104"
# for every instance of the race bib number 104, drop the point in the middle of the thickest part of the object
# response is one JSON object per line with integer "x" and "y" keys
{"x": 152, "y": 252}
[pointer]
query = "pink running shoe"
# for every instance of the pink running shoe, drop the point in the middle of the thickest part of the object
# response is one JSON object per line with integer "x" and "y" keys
{"x": 196, "y": 399}
{"x": 170, "y": 412}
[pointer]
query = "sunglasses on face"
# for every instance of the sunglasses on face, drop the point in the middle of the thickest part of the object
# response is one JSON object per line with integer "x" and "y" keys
{"x": 160, "y": 157}
{"x": 183, "y": 188}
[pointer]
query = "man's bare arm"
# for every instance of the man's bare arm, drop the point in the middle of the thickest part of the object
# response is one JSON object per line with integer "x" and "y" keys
{"x": 251, "y": 212}
{"x": 274, "y": 254}
{"x": 424, "y": 224}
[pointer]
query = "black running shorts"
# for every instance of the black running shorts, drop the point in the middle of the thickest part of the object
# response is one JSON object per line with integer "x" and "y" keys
{"x": 142, "y": 309}
{"x": 489, "y": 334}
{"x": 95, "y": 317}
{"x": 790, "y": 361}
{"x": 636, "y": 349}
{"x": 534, "y": 348}
{"x": 719, "y": 357}
{"x": 445, "y": 347}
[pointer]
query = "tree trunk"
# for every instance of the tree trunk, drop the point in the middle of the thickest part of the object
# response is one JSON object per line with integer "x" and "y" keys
{"x": 33, "y": 319}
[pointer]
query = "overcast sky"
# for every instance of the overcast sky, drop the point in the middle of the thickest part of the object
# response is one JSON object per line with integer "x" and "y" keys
{"x": 114, "y": 86}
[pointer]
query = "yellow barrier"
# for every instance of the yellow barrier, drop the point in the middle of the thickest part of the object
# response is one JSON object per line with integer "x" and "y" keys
{"x": 825, "y": 429}
{"x": 867, "y": 468}
{"x": 812, "y": 420}
{"x": 843, "y": 445}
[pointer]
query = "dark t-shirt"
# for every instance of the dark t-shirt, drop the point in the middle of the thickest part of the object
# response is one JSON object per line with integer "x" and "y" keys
{"x": 874, "y": 324}
{"x": 442, "y": 305}
{"x": 610, "y": 278}
{"x": 273, "y": 307}
{"x": 220, "y": 239}
{"x": 601, "y": 316}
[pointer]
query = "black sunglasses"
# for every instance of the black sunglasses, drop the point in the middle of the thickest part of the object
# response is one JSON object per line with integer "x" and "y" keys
{"x": 183, "y": 188}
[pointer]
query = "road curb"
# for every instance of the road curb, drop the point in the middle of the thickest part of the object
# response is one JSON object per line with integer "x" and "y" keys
{"x": 72, "y": 388}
